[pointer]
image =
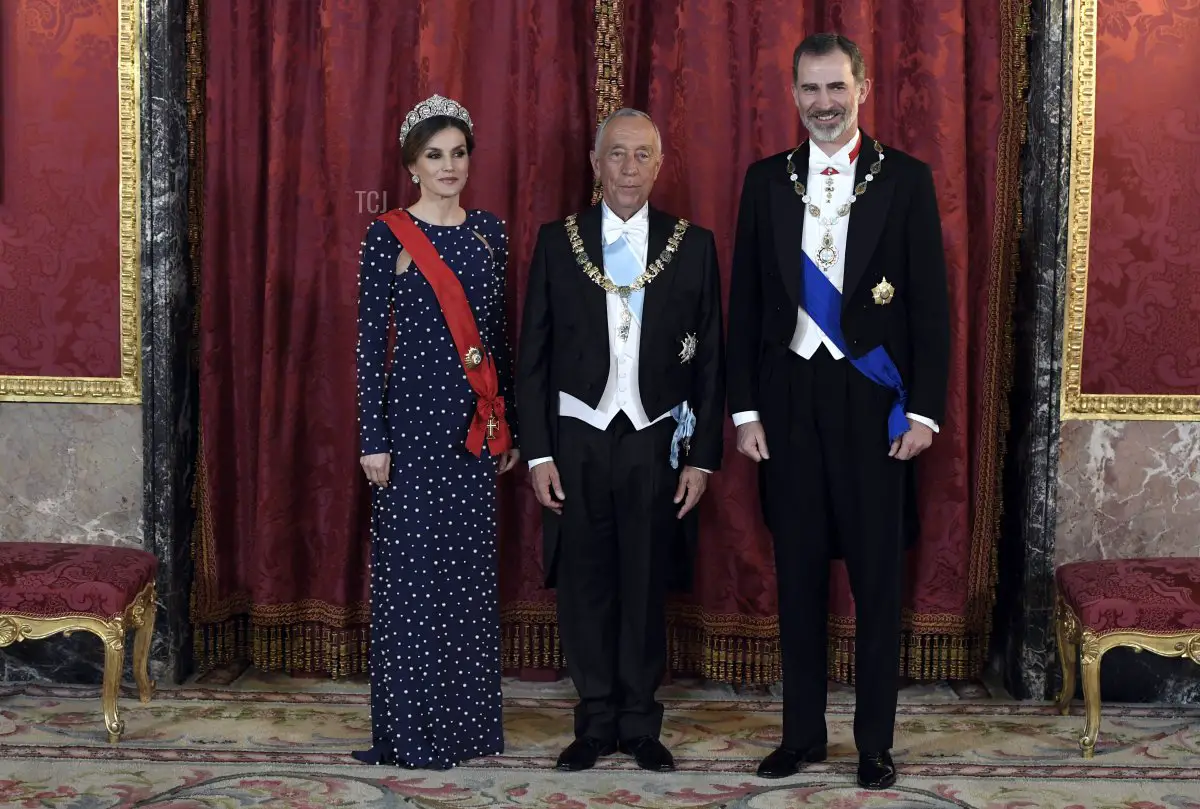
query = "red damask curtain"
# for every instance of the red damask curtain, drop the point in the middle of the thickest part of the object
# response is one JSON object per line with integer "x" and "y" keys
{"x": 302, "y": 104}
{"x": 301, "y": 107}
{"x": 948, "y": 89}
{"x": 716, "y": 77}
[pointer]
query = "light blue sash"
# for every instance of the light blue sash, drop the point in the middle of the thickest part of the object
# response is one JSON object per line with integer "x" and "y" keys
{"x": 623, "y": 267}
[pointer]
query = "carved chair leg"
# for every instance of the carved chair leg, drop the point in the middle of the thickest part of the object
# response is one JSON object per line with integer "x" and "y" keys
{"x": 1091, "y": 704}
{"x": 141, "y": 647}
{"x": 114, "y": 662}
{"x": 1068, "y": 656}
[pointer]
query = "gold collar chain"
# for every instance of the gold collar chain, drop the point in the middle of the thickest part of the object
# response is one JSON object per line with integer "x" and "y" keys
{"x": 827, "y": 253}
{"x": 606, "y": 283}
{"x": 859, "y": 189}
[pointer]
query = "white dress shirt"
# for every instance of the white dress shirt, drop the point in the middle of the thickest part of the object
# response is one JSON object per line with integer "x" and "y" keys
{"x": 825, "y": 172}
{"x": 621, "y": 393}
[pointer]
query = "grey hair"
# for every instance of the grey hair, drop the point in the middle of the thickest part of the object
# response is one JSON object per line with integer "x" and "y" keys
{"x": 625, "y": 112}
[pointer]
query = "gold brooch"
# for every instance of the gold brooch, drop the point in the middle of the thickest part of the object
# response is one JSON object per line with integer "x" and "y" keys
{"x": 883, "y": 292}
{"x": 473, "y": 359}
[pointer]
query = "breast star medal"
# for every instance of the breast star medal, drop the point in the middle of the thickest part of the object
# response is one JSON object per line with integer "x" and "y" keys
{"x": 474, "y": 358}
{"x": 883, "y": 292}
{"x": 689, "y": 348}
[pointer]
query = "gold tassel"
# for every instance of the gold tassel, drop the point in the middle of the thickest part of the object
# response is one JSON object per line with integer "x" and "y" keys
{"x": 610, "y": 65}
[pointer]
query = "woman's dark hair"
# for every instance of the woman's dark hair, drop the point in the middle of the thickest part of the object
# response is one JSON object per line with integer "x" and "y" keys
{"x": 420, "y": 135}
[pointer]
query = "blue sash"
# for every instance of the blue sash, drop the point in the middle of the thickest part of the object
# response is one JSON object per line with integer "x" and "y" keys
{"x": 823, "y": 303}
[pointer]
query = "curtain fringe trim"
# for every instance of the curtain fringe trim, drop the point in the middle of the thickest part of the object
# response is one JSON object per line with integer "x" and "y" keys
{"x": 308, "y": 648}
{"x": 694, "y": 651}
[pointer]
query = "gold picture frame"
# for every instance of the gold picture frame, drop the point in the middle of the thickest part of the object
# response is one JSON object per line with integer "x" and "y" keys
{"x": 1075, "y": 404}
{"x": 127, "y": 388}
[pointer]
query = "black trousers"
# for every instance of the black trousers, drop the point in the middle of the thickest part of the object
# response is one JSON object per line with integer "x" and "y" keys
{"x": 618, "y": 522}
{"x": 830, "y": 490}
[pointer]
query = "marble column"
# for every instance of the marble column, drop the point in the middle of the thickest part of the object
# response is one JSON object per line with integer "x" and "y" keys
{"x": 1024, "y": 618}
{"x": 170, "y": 399}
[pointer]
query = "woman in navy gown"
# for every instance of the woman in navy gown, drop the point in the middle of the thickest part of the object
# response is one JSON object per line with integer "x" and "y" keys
{"x": 435, "y": 627}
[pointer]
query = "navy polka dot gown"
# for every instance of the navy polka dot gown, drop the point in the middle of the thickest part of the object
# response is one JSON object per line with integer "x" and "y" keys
{"x": 435, "y": 626}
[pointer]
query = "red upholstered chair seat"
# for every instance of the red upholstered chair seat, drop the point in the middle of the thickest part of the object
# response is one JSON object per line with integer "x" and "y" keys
{"x": 1154, "y": 596}
{"x": 50, "y": 579}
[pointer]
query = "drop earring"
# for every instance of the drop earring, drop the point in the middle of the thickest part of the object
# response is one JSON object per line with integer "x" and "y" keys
{"x": 416, "y": 179}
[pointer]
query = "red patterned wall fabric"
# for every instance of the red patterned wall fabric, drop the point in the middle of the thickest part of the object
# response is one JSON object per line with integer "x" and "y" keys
{"x": 59, "y": 189}
{"x": 1142, "y": 327}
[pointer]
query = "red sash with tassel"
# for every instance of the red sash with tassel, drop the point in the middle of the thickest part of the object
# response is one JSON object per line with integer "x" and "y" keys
{"x": 488, "y": 422}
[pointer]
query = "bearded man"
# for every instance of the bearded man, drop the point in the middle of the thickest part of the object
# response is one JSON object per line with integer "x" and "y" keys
{"x": 838, "y": 355}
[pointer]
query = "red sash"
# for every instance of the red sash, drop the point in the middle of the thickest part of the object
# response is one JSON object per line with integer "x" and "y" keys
{"x": 488, "y": 422}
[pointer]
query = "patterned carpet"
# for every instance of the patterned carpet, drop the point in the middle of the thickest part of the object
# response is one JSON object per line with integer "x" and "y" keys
{"x": 251, "y": 746}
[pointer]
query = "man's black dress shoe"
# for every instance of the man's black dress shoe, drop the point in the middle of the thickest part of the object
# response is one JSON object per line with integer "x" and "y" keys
{"x": 582, "y": 753}
{"x": 876, "y": 770}
{"x": 786, "y": 761}
{"x": 649, "y": 753}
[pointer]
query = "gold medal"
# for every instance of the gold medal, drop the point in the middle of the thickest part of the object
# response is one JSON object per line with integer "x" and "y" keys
{"x": 473, "y": 359}
{"x": 883, "y": 292}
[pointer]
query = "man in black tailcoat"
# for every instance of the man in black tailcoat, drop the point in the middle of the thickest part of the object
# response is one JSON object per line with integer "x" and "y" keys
{"x": 620, "y": 386}
{"x": 839, "y": 346}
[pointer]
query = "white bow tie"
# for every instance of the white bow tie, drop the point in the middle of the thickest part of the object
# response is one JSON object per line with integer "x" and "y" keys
{"x": 818, "y": 164}
{"x": 634, "y": 230}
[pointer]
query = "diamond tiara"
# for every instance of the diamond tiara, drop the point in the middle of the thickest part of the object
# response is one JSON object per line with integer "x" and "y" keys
{"x": 434, "y": 105}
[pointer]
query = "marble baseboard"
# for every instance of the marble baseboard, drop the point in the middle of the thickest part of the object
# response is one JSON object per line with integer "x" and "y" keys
{"x": 77, "y": 660}
{"x": 1128, "y": 489}
{"x": 1129, "y": 676}
{"x": 71, "y": 473}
